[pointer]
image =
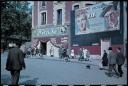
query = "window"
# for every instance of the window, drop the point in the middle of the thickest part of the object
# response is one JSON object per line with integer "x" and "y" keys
{"x": 86, "y": 5}
{"x": 43, "y": 3}
{"x": 76, "y": 7}
{"x": 43, "y": 18}
{"x": 59, "y": 16}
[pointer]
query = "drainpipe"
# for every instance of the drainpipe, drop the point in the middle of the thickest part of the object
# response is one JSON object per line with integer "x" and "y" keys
{"x": 125, "y": 26}
{"x": 69, "y": 40}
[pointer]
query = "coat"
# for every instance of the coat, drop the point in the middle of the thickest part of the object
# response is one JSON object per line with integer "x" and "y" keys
{"x": 72, "y": 53}
{"x": 105, "y": 60}
{"x": 111, "y": 58}
{"x": 15, "y": 59}
{"x": 120, "y": 58}
{"x": 85, "y": 53}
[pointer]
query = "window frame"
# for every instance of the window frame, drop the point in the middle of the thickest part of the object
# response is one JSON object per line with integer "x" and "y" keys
{"x": 59, "y": 19}
{"x": 43, "y": 18}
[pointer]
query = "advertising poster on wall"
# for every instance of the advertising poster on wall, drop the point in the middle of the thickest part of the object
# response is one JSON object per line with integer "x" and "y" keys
{"x": 97, "y": 18}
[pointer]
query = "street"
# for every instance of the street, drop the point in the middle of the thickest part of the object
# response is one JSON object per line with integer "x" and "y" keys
{"x": 49, "y": 71}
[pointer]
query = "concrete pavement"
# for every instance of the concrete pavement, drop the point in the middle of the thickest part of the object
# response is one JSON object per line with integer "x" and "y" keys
{"x": 57, "y": 71}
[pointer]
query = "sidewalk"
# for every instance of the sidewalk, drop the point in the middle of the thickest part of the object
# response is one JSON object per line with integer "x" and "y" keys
{"x": 92, "y": 61}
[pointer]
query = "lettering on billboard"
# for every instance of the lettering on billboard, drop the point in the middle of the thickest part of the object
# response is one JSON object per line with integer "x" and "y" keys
{"x": 97, "y": 18}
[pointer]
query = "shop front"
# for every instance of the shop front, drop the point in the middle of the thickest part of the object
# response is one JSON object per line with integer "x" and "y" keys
{"x": 50, "y": 37}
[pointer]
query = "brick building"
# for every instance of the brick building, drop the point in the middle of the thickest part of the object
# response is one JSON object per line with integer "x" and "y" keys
{"x": 54, "y": 23}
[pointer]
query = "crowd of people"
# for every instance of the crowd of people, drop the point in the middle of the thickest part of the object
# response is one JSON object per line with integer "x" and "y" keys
{"x": 30, "y": 51}
{"x": 113, "y": 61}
{"x": 84, "y": 54}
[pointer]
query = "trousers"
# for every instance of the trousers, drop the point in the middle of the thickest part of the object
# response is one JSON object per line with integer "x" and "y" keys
{"x": 15, "y": 74}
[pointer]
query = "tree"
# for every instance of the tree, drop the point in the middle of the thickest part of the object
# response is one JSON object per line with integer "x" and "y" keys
{"x": 15, "y": 19}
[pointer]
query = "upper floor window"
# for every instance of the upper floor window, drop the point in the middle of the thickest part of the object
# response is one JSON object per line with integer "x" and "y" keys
{"x": 76, "y": 7}
{"x": 86, "y": 5}
{"x": 43, "y": 18}
{"x": 59, "y": 16}
{"x": 43, "y": 3}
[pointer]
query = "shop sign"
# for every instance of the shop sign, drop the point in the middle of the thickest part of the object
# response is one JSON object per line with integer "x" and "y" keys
{"x": 49, "y": 31}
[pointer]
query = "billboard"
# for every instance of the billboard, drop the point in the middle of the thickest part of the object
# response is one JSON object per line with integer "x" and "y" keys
{"x": 97, "y": 18}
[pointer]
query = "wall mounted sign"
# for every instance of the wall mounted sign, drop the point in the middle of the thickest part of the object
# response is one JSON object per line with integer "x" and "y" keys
{"x": 49, "y": 31}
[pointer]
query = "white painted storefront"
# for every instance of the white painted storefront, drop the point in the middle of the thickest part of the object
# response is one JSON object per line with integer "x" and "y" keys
{"x": 55, "y": 52}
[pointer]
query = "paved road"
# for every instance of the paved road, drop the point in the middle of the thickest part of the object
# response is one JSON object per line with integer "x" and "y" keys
{"x": 49, "y": 71}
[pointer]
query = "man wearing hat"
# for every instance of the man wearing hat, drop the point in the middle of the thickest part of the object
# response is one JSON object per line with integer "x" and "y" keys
{"x": 111, "y": 62}
{"x": 120, "y": 61}
{"x": 15, "y": 63}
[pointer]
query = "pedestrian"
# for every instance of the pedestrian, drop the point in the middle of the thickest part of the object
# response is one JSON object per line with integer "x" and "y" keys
{"x": 29, "y": 51}
{"x": 120, "y": 61}
{"x": 72, "y": 54}
{"x": 15, "y": 63}
{"x": 65, "y": 52}
{"x": 81, "y": 54}
{"x": 60, "y": 52}
{"x": 65, "y": 55}
{"x": 105, "y": 59}
{"x": 37, "y": 51}
{"x": 111, "y": 62}
{"x": 51, "y": 51}
{"x": 85, "y": 54}
{"x": 32, "y": 51}
{"x": 23, "y": 49}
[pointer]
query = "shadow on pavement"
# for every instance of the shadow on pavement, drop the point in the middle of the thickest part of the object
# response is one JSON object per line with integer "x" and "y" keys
{"x": 30, "y": 82}
{"x": 5, "y": 79}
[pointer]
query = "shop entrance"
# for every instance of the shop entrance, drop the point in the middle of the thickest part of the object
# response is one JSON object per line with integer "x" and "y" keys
{"x": 43, "y": 48}
{"x": 105, "y": 44}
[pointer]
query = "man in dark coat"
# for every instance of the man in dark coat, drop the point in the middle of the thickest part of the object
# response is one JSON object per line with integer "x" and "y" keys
{"x": 120, "y": 61}
{"x": 105, "y": 59}
{"x": 15, "y": 63}
{"x": 60, "y": 52}
{"x": 112, "y": 62}
{"x": 81, "y": 54}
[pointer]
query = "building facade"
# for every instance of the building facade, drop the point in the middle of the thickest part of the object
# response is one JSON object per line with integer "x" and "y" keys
{"x": 54, "y": 25}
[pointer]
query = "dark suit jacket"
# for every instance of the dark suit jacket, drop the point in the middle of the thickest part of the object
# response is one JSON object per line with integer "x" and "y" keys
{"x": 120, "y": 58}
{"x": 15, "y": 60}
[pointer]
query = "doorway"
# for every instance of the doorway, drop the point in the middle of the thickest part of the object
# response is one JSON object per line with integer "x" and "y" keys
{"x": 43, "y": 48}
{"x": 105, "y": 44}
